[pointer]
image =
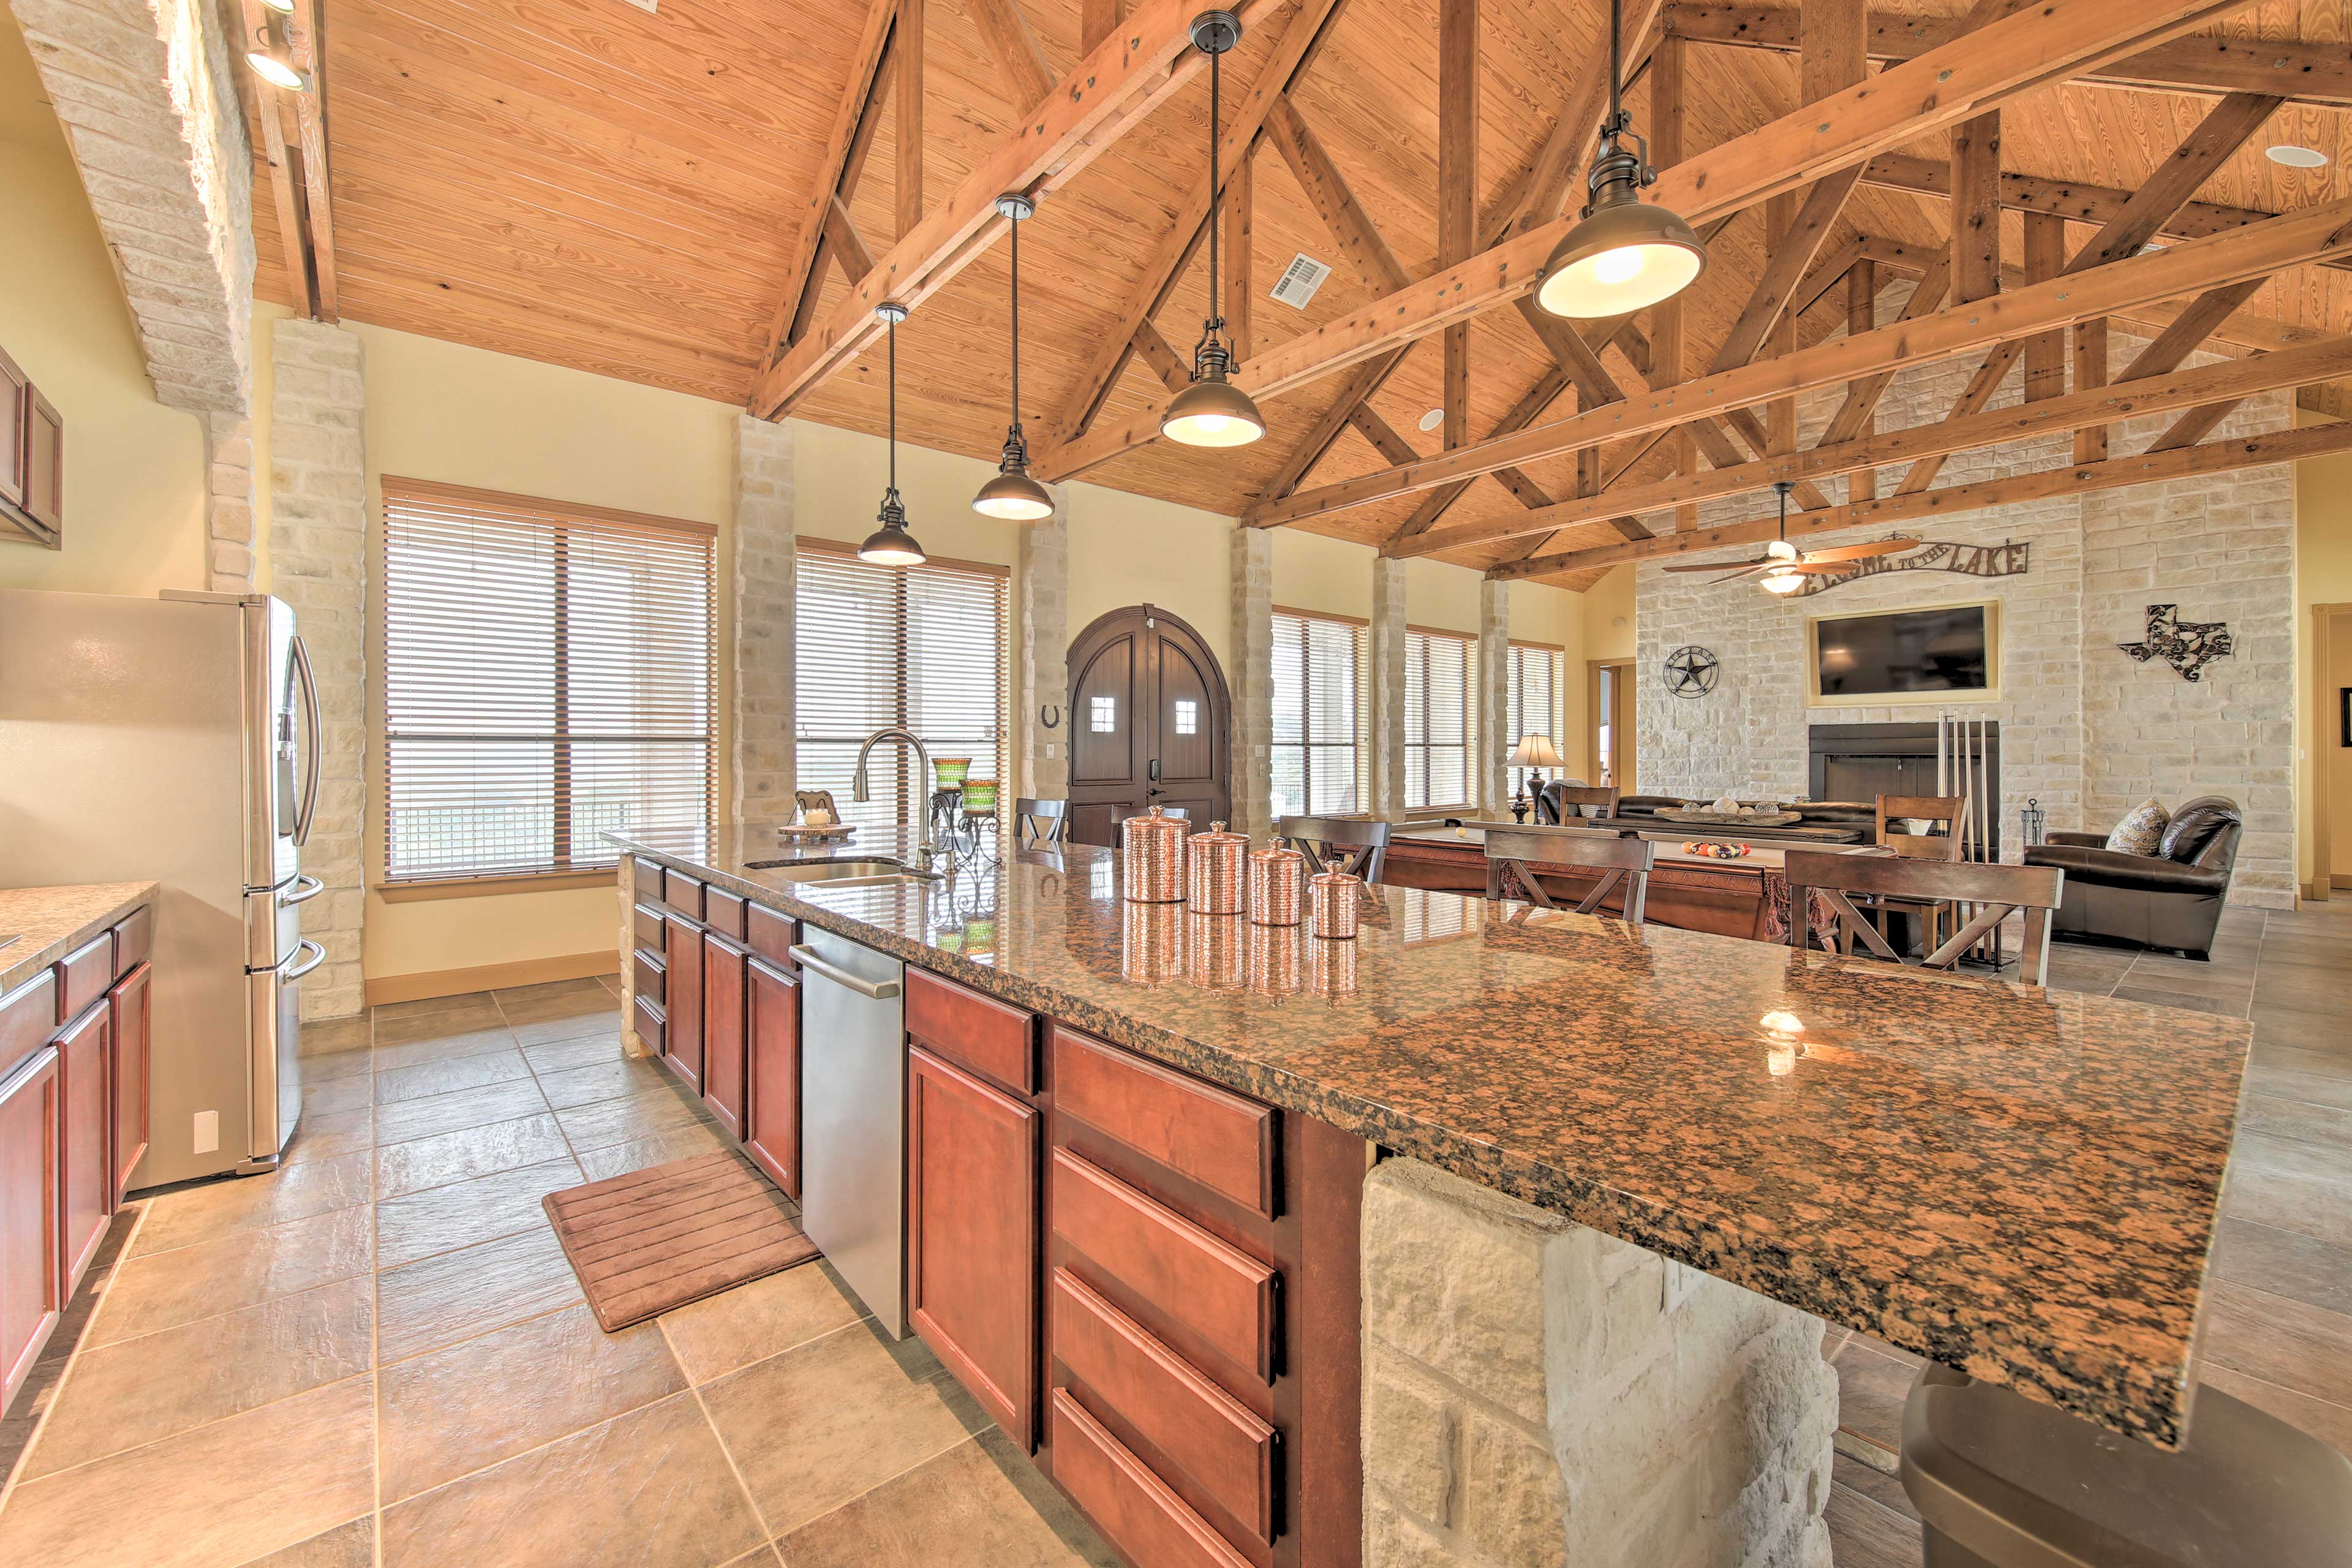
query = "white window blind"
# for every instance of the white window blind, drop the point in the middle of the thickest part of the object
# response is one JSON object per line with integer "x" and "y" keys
{"x": 547, "y": 676}
{"x": 1534, "y": 682}
{"x": 1319, "y": 715}
{"x": 1440, "y": 718}
{"x": 921, "y": 646}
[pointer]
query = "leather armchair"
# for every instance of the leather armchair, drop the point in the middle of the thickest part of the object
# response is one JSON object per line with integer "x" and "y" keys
{"x": 2172, "y": 898}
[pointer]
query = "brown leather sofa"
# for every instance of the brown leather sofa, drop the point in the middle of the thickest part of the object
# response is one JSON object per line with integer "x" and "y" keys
{"x": 2172, "y": 898}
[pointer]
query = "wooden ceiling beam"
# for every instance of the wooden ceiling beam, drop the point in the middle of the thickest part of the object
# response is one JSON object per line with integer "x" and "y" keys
{"x": 267, "y": 109}
{"x": 1669, "y": 321}
{"x": 1458, "y": 191}
{"x": 1105, "y": 95}
{"x": 1362, "y": 382}
{"x": 2045, "y": 353}
{"x": 2308, "y": 72}
{"x": 1174, "y": 371}
{"x": 1392, "y": 446}
{"x": 1351, "y": 228}
{"x": 1027, "y": 77}
{"x": 848, "y": 244}
{"x": 2012, "y": 54}
{"x": 1294, "y": 52}
{"x": 2293, "y": 240}
{"x": 1861, "y": 316}
{"x": 1238, "y": 301}
{"x": 1097, "y": 20}
{"x": 2227, "y": 379}
{"x": 1976, "y": 207}
{"x": 1541, "y": 193}
{"x": 306, "y": 40}
{"x": 909, "y": 40}
{"x": 2114, "y": 473}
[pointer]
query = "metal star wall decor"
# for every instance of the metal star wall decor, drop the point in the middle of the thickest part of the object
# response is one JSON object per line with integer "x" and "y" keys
{"x": 2186, "y": 646}
{"x": 1691, "y": 671}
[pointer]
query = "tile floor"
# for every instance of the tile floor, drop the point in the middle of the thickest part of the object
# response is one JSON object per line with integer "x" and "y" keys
{"x": 379, "y": 1356}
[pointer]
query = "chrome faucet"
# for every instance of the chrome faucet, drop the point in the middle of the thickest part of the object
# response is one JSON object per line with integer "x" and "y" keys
{"x": 924, "y": 853}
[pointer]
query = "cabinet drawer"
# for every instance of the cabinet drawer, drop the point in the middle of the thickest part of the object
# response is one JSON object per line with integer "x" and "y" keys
{"x": 647, "y": 919}
{"x": 85, "y": 973}
{"x": 973, "y": 1031}
{"x": 29, "y": 1017}
{"x": 134, "y": 940}
{"x": 1132, "y": 1507}
{"x": 1200, "y": 1132}
{"x": 651, "y": 973}
{"x": 772, "y": 935}
{"x": 682, "y": 893}
{"x": 649, "y": 1022}
{"x": 1211, "y": 1437}
{"x": 722, "y": 912}
{"x": 1217, "y": 1291}
{"x": 647, "y": 874}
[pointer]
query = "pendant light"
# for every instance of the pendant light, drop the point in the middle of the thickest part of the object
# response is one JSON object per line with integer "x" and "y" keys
{"x": 272, "y": 61}
{"x": 891, "y": 544}
{"x": 1778, "y": 579}
{"x": 1213, "y": 411}
{"x": 1625, "y": 255}
{"x": 1013, "y": 494}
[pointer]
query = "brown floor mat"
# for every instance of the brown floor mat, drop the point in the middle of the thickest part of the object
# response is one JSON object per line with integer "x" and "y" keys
{"x": 660, "y": 1237}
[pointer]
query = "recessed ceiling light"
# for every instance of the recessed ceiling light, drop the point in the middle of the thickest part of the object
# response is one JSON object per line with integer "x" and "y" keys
{"x": 2296, "y": 157}
{"x": 1433, "y": 419}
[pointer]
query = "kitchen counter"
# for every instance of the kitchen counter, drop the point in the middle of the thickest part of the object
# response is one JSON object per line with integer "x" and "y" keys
{"x": 50, "y": 923}
{"x": 2017, "y": 1182}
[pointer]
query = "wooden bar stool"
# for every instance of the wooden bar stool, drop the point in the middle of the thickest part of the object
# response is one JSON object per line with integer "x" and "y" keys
{"x": 2001, "y": 1481}
{"x": 1995, "y": 892}
{"x": 1559, "y": 802}
{"x": 1040, "y": 822}
{"x": 1349, "y": 844}
{"x": 1512, "y": 854}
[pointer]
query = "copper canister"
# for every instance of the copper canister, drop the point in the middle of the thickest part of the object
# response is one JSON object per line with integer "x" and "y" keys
{"x": 1151, "y": 945}
{"x": 1216, "y": 862}
{"x": 1276, "y": 965}
{"x": 1215, "y": 951}
{"x": 1332, "y": 900}
{"x": 1151, "y": 859}
{"x": 1278, "y": 886}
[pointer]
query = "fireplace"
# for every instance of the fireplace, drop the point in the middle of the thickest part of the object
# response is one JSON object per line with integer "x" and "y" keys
{"x": 1862, "y": 762}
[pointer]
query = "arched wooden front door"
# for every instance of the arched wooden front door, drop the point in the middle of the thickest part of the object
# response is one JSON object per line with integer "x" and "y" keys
{"x": 1150, "y": 723}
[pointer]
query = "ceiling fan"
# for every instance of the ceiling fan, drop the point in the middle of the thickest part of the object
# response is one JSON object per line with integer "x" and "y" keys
{"x": 1785, "y": 568}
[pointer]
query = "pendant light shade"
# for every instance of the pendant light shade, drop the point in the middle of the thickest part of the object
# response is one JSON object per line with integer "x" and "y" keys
{"x": 1213, "y": 411}
{"x": 1625, "y": 255}
{"x": 892, "y": 545}
{"x": 1012, "y": 496}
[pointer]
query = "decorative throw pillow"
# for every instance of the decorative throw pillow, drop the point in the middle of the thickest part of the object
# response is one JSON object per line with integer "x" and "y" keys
{"x": 2141, "y": 830}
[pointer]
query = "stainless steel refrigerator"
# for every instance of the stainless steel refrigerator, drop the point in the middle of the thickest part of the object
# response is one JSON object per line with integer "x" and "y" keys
{"x": 174, "y": 739}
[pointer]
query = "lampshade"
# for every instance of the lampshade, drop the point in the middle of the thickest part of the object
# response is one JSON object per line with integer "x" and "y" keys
{"x": 891, "y": 545}
{"x": 1779, "y": 582}
{"x": 1535, "y": 750}
{"x": 1628, "y": 256}
{"x": 277, "y": 72}
{"x": 1014, "y": 496}
{"x": 1213, "y": 412}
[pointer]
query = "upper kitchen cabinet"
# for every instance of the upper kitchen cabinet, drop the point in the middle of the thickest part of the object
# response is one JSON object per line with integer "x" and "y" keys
{"x": 32, "y": 460}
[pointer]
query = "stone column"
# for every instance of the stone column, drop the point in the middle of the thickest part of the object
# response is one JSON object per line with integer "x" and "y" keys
{"x": 228, "y": 502}
{"x": 1045, "y": 566}
{"x": 318, "y": 564}
{"x": 1538, "y": 1394}
{"x": 1494, "y": 741}
{"x": 1384, "y": 716}
{"x": 1252, "y": 680}
{"x": 761, "y": 775}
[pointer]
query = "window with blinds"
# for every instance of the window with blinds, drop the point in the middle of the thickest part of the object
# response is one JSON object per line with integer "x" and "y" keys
{"x": 547, "y": 676}
{"x": 1441, "y": 708}
{"x": 921, "y": 646}
{"x": 1318, "y": 752}
{"x": 1534, "y": 682}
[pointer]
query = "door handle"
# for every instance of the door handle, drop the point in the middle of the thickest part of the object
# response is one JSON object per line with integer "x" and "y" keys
{"x": 318, "y": 957}
{"x": 1155, "y": 770}
{"x": 309, "y": 809}
{"x": 301, "y": 894}
{"x": 872, "y": 990}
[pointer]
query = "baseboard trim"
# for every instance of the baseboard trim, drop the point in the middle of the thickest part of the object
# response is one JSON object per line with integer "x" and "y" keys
{"x": 417, "y": 987}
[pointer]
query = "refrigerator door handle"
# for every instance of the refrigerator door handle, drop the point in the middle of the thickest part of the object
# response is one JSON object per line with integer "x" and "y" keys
{"x": 306, "y": 887}
{"x": 310, "y": 807}
{"x": 318, "y": 957}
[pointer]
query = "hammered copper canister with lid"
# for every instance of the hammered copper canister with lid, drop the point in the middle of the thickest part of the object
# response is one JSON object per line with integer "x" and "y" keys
{"x": 1331, "y": 899}
{"x": 1278, "y": 886}
{"x": 1151, "y": 859}
{"x": 1216, "y": 864}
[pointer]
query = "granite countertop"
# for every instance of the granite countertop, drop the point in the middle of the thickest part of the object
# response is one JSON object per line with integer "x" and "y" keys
{"x": 50, "y": 923}
{"x": 2017, "y": 1182}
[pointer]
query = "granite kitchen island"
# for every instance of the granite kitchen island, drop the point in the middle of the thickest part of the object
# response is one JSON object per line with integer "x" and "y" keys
{"x": 1600, "y": 1131}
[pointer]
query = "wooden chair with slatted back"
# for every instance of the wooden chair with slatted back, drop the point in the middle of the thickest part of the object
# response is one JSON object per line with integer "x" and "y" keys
{"x": 1997, "y": 892}
{"x": 1040, "y": 822}
{"x": 1951, "y": 811}
{"x": 1338, "y": 844}
{"x": 1512, "y": 854}
{"x": 1555, "y": 801}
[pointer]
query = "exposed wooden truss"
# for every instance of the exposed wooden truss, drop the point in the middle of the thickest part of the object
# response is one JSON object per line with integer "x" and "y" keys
{"x": 270, "y": 110}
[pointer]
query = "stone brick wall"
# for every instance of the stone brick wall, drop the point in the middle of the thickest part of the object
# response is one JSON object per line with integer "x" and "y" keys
{"x": 763, "y": 589}
{"x": 228, "y": 502}
{"x": 1538, "y": 1394}
{"x": 1044, "y": 610}
{"x": 1489, "y": 790}
{"x": 317, "y": 562}
{"x": 1385, "y": 710}
{"x": 2083, "y": 728}
{"x": 1252, "y": 674}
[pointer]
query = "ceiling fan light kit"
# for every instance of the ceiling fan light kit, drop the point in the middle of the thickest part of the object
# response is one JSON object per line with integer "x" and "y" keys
{"x": 1213, "y": 411}
{"x": 1784, "y": 567}
{"x": 893, "y": 543}
{"x": 1013, "y": 495}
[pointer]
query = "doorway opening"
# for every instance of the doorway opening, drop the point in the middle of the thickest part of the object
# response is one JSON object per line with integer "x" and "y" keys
{"x": 2331, "y": 751}
{"x": 1609, "y": 722}
{"x": 1150, "y": 722}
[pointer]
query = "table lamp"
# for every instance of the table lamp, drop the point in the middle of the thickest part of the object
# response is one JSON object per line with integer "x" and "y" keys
{"x": 1534, "y": 750}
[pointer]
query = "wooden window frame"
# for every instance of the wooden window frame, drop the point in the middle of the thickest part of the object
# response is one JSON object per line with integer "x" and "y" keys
{"x": 1359, "y": 745}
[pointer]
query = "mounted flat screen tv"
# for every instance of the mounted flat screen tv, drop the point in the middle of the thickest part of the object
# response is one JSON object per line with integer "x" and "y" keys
{"x": 1946, "y": 653}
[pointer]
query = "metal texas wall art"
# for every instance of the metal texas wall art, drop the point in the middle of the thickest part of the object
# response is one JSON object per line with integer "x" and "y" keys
{"x": 2186, "y": 646}
{"x": 2005, "y": 560}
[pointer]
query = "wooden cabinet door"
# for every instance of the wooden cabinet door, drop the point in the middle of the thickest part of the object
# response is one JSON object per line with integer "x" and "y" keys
{"x": 32, "y": 1263}
{"x": 682, "y": 1002}
{"x": 723, "y": 1005}
{"x": 972, "y": 1235}
{"x": 772, "y": 1093}
{"x": 16, "y": 401}
{"x": 45, "y": 463}
{"x": 86, "y": 1176}
{"x": 132, "y": 1019}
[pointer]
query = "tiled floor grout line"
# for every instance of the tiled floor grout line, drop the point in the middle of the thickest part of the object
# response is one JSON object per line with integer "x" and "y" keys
{"x": 742, "y": 1481}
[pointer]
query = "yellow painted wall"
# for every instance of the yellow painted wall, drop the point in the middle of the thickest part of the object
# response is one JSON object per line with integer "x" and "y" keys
{"x": 134, "y": 519}
{"x": 1608, "y": 607}
{"x": 1131, "y": 550}
{"x": 2323, "y": 576}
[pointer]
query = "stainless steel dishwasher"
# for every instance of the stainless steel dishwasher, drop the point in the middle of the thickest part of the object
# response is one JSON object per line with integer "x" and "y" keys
{"x": 853, "y": 1117}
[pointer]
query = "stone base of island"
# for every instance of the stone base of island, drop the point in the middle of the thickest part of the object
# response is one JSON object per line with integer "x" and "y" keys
{"x": 1502, "y": 1237}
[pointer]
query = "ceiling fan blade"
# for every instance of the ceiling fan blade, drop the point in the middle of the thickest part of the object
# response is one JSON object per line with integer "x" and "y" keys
{"x": 1819, "y": 568}
{"x": 1863, "y": 552}
{"x": 1712, "y": 566}
{"x": 1735, "y": 576}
